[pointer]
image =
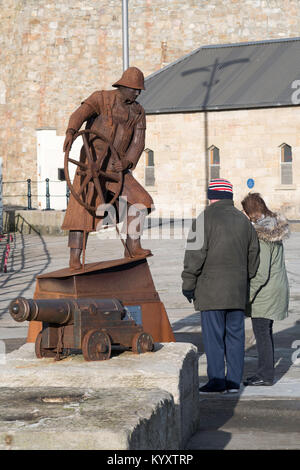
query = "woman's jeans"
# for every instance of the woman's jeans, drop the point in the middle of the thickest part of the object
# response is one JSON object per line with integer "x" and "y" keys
{"x": 262, "y": 328}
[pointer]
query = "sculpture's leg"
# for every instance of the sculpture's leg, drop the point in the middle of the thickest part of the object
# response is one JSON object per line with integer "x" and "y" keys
{"x": 76, "y": 246}
{"x": 135, "y": 225}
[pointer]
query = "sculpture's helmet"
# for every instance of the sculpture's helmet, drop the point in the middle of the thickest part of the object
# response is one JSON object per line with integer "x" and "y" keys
{"x": 132, "y": 78}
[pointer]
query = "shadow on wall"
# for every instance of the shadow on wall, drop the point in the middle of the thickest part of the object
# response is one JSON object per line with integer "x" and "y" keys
{"x": 13, "y": 223}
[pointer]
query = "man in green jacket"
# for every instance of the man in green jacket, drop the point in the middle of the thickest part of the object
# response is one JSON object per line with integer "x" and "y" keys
{"x": 222, "y": 254}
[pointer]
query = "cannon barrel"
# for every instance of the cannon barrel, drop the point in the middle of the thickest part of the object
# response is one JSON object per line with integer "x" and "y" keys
{"x": 60, "y": 311}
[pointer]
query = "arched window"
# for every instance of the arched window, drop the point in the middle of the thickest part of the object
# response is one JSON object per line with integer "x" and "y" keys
{"x": 214, "y": 162}
{"x": 149, "y": 168}
{"x": 286, "y": 164}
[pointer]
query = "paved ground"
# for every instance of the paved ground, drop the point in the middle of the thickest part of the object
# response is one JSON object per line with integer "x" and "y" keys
{"x": 257, "y": 417}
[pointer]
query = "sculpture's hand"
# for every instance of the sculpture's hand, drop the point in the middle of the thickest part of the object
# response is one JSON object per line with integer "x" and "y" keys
{"x": 117, "y": 166}
{"x": 69, "y": 139}
{"x": 68, "y": 142}
{"x": 120, "y": 165}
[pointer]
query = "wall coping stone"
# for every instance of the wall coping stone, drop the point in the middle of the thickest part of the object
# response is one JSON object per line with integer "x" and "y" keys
{"x": 167, "y": 378}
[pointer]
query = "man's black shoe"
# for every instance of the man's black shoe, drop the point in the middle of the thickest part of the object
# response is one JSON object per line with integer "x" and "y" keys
{"x": 257, "y": 381}
{"x": 212, "y": 387}
{"x": 232, "y": 387}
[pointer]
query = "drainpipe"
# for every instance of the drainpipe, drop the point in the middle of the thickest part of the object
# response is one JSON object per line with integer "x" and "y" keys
{"x": 1, "y": 199}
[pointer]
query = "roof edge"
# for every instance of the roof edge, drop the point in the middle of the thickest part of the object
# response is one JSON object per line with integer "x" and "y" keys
{"x": 218, "y": 109}
{"x": 219, "y": 46}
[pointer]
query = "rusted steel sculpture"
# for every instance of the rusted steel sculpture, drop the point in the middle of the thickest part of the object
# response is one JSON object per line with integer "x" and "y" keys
{"x": 113, "y": 142}
{"x": 90, "y": 325}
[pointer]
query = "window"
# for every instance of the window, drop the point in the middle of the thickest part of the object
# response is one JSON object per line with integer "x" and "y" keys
{"x": 286, "y": 164}
{"x": 149, "y": 168}
{"x": 214, "y": 162}
{"x": 61, "y": 174}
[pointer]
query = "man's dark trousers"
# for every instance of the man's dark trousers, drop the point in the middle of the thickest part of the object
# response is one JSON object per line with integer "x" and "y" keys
{"x": 223, "y": 333}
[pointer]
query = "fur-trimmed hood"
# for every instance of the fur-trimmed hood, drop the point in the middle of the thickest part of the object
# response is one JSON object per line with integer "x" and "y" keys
{"x": 272, "y": 229}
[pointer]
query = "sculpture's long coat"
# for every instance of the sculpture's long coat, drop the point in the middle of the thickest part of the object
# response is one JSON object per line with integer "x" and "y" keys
{"x": 123, "y": 124}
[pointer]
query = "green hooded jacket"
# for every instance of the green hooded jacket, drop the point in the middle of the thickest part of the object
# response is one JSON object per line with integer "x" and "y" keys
{"x": 269, "y": 289}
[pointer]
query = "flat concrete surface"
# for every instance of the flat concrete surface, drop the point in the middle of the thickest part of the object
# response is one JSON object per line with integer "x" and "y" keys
{"x": 33, "y": 254}
{"x": 171, "y": 367}
{"x": 251, "y": 423}
{"x": 67, "y": 418}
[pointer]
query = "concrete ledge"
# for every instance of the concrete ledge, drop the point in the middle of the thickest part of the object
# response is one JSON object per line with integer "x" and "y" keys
{"x": 50, "y": 418}
{"x": 167, "y": 378}
{"x": 44, "y": 222}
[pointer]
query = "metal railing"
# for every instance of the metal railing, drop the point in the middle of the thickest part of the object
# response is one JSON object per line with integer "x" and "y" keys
{"x": 29, "y": 195}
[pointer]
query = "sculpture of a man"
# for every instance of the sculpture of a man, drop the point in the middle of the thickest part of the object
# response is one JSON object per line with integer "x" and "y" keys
{"x": 121, "y": 120}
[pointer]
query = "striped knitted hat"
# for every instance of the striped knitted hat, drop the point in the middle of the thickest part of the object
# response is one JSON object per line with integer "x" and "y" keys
{"x": 219, "y": 189}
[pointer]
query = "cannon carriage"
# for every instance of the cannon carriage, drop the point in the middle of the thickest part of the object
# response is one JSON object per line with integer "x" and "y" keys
{"x": 90, "y": 325}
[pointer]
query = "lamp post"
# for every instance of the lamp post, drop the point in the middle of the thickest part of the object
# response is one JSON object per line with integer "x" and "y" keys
{"x": 125, "y": 34}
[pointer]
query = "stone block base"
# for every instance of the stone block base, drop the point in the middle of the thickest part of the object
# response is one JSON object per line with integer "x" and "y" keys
{"x": 63, "y": 418}
{"x": 146, "y": 401}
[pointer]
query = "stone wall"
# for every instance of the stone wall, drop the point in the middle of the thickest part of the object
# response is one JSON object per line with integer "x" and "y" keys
{"x": 55, "y": 53}
{"x": 249, "y": 143}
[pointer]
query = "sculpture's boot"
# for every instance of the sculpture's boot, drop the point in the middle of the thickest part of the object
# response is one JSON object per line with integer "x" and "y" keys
{"x": 135, "y": 225}
{"x": 75, "y": 263}
{"x": 76, "y": 246}
{"x": 133, "y": 248}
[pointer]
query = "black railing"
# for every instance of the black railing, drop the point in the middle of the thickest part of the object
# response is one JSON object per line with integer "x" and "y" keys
{"x": 29, "y": 195}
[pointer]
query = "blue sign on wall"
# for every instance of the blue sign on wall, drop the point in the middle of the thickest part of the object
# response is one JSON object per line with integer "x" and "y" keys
{"x": 250, "y": 183}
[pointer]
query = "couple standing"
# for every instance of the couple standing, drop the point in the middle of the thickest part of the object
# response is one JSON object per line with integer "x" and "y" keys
{"x": 234, "y": 262}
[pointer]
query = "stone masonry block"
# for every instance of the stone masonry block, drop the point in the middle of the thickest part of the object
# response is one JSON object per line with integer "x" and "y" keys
{"x": 68, "y": 418}
{"x": 172, "y": 368}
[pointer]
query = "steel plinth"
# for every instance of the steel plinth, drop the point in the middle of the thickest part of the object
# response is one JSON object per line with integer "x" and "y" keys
{"x": 127, "y": 279}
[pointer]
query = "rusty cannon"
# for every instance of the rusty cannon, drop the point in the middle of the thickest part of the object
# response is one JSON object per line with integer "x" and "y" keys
{"x": 90, "y": 325}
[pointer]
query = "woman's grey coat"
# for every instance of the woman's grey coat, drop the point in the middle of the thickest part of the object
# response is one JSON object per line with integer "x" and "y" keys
{"x": 222, "y": 257}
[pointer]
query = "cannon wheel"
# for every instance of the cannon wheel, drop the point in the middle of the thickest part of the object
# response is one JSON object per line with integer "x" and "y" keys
{"x": 42, "y": 352}
{"x": 91, "y": 170}
{"x": 96, "y": 346}
{"x": 142, "y": 342}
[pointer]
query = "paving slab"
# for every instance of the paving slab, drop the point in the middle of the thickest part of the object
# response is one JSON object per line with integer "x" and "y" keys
{"x": 253, "y": 423}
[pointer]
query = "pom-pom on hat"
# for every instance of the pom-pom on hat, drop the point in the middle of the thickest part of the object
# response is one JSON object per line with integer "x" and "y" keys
{"x": 219, "y": 188}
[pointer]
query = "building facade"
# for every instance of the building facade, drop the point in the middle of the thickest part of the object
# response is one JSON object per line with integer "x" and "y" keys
{"x": 249, "y": 147}
{"x": 53, "y": 54}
